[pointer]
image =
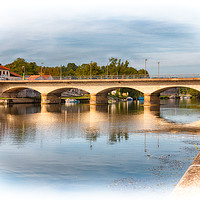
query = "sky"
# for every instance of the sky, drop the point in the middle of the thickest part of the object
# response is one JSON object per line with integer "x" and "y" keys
{"x": 56, "y": 32}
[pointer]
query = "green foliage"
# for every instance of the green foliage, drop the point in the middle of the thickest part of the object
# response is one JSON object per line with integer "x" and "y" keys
{"x": 142, "y": 71}
{"x": 131, "y": 92}
{"x": 189, "y": 91}
{"x": 19, "y": 64}
{"x": 115, "y": 67}
{"x": 194, "y": 93}
{"x": 16, "y": 66}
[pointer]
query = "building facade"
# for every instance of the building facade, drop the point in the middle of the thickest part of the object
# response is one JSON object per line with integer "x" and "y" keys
{"x": 4, "y": 72}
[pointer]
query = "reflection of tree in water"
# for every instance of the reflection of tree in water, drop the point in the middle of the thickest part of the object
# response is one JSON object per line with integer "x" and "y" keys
{"x": 133, "y": 107}
{"x": 102, "y": 108}
{"x": 21, "y": 136}
{"x": 14, "y": 123}
{"x": 18, "y": 132}
{"x": 117, "y": 135}
{"x": 71, "y": 108}
{"x": 92, "y": 134}
{"x": 181, "y": 103}
{"x": 3, "y": 133}
{"x": 21, "y": 109}
{"x": 75, "y": 108}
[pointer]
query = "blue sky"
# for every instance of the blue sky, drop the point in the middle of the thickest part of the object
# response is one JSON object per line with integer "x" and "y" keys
{"x": 56, "y": 32}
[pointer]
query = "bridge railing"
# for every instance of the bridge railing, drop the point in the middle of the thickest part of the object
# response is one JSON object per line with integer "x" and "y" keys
{"x": 100, "y": 77}
{"x": 104, "y": 77}
{"x": 136, "y": 76}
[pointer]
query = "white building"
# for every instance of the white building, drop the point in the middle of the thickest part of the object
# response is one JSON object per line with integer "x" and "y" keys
{"x": 4, "y": 72}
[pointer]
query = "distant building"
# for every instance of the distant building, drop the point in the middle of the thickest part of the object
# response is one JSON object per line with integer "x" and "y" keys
{"x": 7, "y": 74}
{"x": 4, "y": 72}
{"x": 113, "y": 92}
{"x": 171, "y": 91}
{"x": 13, "y": 74}
{"x": 125, "y": 94}
{"x": 73, "y": 92}
{"x": 38, "y": 77}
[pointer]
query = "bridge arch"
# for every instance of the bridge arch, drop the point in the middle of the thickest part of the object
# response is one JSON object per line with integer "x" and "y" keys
{"x": 154, "y": 97}
{"x": 21, "y": 91}
{"x": 102, "y": 95}
{"x": 160, "y": 90}
{"x": 110, "y": 89}
{"x": 54, "y": 96}
{"x": 59, "y": 91}
{"x": 21, "y": 94}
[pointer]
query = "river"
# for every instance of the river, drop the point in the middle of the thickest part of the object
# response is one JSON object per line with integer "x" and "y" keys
{"x": 82, "y": 151}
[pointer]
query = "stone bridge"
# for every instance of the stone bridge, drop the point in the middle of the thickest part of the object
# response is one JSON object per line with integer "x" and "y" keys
{"x": 98, "y": 89}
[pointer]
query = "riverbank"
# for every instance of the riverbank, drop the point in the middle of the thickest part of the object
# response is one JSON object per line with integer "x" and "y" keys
{"x": 189, "y": 185}
{"x": 5, "y": 101}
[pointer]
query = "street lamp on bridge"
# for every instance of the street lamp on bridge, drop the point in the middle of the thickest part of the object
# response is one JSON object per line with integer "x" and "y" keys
{"x": 41, "y": 67}
{"x": 107, "y": 70}
{"x": 23, "y": 73}
{"x": 60, "y": 72}
{"x": 91, "y": 70}
{"x": 158, "y": 69}
{"x": 145, "y": 66}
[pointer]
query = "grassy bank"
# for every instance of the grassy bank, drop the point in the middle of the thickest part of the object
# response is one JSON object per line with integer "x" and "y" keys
{"x": 81, "y": 97}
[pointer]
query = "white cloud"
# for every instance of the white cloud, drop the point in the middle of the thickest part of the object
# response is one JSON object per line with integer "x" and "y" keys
{"x": 54, "y": 31}
{"x": 175, "y": 10}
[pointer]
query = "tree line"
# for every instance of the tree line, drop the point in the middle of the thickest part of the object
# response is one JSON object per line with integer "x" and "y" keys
{"x": 189, "y": 91}
{"x": 114, "y": 67}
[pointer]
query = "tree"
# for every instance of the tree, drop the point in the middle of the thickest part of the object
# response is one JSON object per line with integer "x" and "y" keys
{"x": 115, "y": 67}
{"x": 17, "y": 66}
{"x": 142, "y": 71}
{"x": 31, "y": 68}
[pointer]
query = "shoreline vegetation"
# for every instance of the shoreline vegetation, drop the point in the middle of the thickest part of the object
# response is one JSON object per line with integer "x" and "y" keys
{"x": 115, "y": 66}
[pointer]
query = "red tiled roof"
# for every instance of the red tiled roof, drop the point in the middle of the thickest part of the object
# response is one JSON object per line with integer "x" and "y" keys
{"x": 34, "y": 77}
{"x": 5, "y": 68}
{"x": 15, "y": 74}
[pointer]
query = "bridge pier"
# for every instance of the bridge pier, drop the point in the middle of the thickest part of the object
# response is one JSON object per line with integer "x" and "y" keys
{"x": 50, "y": 99}
{"x": 151, "y": 99}
{"x": 98, "y": 98}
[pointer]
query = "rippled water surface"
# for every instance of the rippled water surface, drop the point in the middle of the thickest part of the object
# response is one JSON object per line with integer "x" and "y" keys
{"x": 122, "y": 146}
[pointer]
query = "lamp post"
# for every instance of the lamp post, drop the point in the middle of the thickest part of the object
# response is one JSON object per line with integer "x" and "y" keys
{"x": 60, "y": 72}
{"x": 23, "y": 73}
{"x": 145, "y": 143}
{"x": 158, "y": 69}
{"x": 41, "y": 68}
{"x": 107, "y": 71}
{"x": 90, "y": 70}
{"x": 145, "y": 66}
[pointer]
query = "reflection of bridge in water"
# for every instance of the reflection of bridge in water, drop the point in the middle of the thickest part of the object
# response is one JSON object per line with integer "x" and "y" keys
{"x": 51, "y": 90}
{"x": 115, "y": 122}
{"x": 95, "y": 119}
